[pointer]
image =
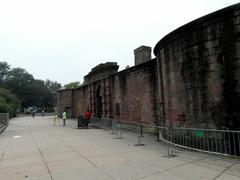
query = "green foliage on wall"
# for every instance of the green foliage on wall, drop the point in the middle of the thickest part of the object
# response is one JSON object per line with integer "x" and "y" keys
{"x": 72, "y": 85}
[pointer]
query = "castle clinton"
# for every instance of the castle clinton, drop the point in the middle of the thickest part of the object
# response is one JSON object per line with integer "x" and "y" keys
{"x": 194, "y": 81}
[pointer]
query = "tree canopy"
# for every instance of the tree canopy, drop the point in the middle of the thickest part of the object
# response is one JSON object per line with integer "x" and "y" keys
{"x": 72, "y": 85}
{"x": 4, "y": 70}
{"x": 18, "y": 84}
{"x": 8, "y": 102}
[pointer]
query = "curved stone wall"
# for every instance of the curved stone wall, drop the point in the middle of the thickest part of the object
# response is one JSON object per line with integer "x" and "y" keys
{"x": 199, "y": 65}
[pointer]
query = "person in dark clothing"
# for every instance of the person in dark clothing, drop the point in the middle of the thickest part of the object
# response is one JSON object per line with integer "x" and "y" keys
{"x": 33, "y": 113}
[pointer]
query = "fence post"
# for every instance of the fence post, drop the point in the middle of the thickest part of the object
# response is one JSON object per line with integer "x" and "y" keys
{"x": 120, "y": 132}
{"x": 104, "y": 124}
{"x": 139, "y": 138}
{"x": 141, "y": 130}
{"x": 118, "y": 135}
{"x": 7, "y": 119}
{"x": 157, "y": 133}
{"x": 170, "y": 146}
{"x": 4, "y": 120}
{"x": 113, "y": 127}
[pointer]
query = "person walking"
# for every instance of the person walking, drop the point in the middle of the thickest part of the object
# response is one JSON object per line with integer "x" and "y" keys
{"x": 56, "y": 120}
{"x": 42, "y": 112}
{"x": 64, "y": 118}
{"x": 33, "y": 113}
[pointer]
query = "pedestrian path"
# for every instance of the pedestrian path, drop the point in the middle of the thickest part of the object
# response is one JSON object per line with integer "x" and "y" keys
{"x": 32, "y": 148}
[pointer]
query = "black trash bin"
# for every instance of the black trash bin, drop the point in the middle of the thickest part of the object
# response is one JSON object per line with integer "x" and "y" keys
{"x": 80, "y": 121}
{"x": 85, "y": 122}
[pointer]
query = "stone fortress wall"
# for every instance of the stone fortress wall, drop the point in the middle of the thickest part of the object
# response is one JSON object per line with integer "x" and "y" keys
{"x": 194, "y": 81}
{"x": 131, "y": 94}
{"x": 200, "y": 70}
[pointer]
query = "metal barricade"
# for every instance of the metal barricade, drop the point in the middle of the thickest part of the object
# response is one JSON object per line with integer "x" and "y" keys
{"x": 164, "y": 135}
{"x": 114, "y": 126}
{"x": 95, "y": 122}
{"x": 107, "y": 123}
{"x": 224, "y": 142}
{"x": 127, "y": 125}
{"x": 221, "y": 142}
{"x": 4, "y": 119}
{"x": 140, "y": 135}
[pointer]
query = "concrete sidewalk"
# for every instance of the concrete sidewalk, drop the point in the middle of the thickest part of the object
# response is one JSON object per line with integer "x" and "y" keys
{"x": 32, "y": 148}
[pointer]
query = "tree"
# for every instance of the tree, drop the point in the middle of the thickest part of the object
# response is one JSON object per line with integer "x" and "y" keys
{"x": 40, "y": 94}
{"x": 72, "y": 85}
{"x": 4, "y": 71}
{"x": 8, "y": 102}
{"x": 52, "y": 87}
{"x": 21, "y": 83}
{"x": 29, "y": 91}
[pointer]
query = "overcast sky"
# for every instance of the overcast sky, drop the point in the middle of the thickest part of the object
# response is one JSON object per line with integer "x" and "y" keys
{"x": 62, "y": 40}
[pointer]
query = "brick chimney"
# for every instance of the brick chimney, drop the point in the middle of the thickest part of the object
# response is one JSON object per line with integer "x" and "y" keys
{"x": 142, "y": 54}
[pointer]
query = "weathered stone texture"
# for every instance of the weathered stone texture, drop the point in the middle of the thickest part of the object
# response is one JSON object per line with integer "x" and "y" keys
{"x": 136, "y": 91}
{"x": 142, "y": 54}
{"x": 195, "y": 80}
{"x": 101, "y": 71}
{"x": 200, "y": 70}
{"x": 80, "y": 100}
{"x": 65, "y": 100}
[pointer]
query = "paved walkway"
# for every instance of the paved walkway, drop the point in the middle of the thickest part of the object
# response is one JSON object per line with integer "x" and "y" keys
{"x": 34, "y": 149}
